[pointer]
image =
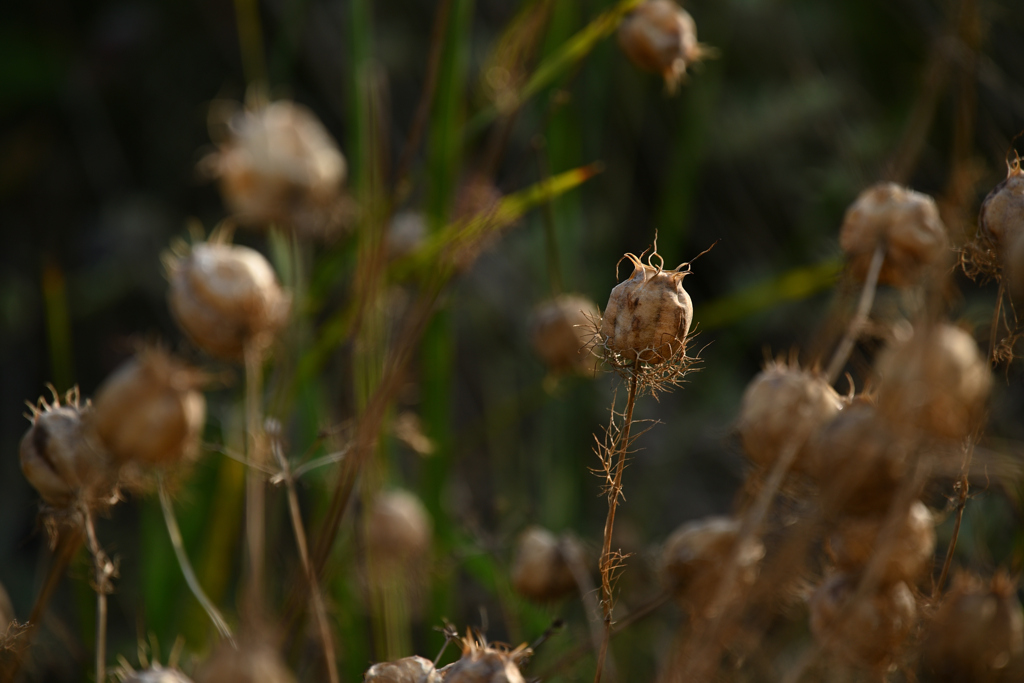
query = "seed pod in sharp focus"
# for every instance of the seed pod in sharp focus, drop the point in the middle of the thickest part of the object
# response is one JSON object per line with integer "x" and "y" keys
{"x": 540, "y": 570}
{"x": 563, "y": 330}
{"x": 225, "y": 297}
{"x": 781, "y": 404}
{"x": 404, "y": 670}
{"x": 157, "y": 674}
{"x": 1001, "y": 217}
{"x": 150, "y": 411}
{"x": 661, "y": 36}
{"x": 648, "y": 316}
{"x": 398, "y": 529}
{"x": 909, "y": 554}
{"x": 906, "y": 223}
{"x": 483, "y": 663}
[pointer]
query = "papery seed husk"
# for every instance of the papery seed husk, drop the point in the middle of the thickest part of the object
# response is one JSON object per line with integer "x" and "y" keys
{"x": 405, "y": 670}
{"x": 481, "y": 663}
{"x": 660, "y": 36}
{"x": 244, "y": 664}
{"x": 854, "y": 542}
{"x": 540, "y": 570}
{"x": 157, "y": 674}
{"x": 1001, "y": 216}
{"x": 563, "y": 329}
{"x": 399, "y": 530}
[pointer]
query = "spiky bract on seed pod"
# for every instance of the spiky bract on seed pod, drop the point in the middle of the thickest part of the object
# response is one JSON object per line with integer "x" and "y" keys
{"x": 59, "y": 459}
{"x": 540, "y": 570}
{"x": 935, "y": 380}
{"x": 277, "y": 164}
{"x": 248, "y": 663}
{"x": 869, "y": 632}
{"x": 648, "y": 315}
{"x": 405, "y": 670}
{"x": 661, "y": 36}
{"x": 783, "y": 407}
{"x": 977, "y": 633}
{"x": 483, "y": 663}
{"x": 562, "y": 331}
{"x": 1001, "y": 217}
{"x": 905, "y": 222}
{"x": 692, "y": 560}
{"x": 909, "y": 553}
{"x": 398, "y": 528}
{"x": 157, "y": 674}
{"x": 150, "y": 412}
{"x": 225, "y": 297}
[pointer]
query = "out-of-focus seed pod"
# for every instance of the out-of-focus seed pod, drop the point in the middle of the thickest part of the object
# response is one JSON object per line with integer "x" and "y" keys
{"x": 648, "y": 316}
{"x": 58, "y": 459}
{"x": 245, "y": 664}
{"x": 907, "y": 223}
{"x": 694, "y": 555}
{"x": 405, "y": 670}
{"x": 936, "y": 381}
{"x": 781, "y": 404}
{"x": 1001, "y": 217}
{"x": 277, "y": 164}
{"x": 398, "y": 529}
{"x": 563, "y": 330}
{"x": 157, "y": 674}
{"x": 541, "y": 570}
{"x": 977, "y": 633}
{"x": 225, "y": 297}
{"x": 406, "y": 233}
{"x": 661, "y": 36}
{"x": 869, "y": 632}
{"x": 481, "y": 663}
{"x": 855, "y": 541}
{"x": 150, "y": 412}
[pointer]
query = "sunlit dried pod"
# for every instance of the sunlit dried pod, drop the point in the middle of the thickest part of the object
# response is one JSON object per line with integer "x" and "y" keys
{"x": 150, "y": 411}
{"x": 247, "y": 663}
{"x": 59, "y": 459}
{"x": 977, "y": 633}
{"x": 661, "y": 36}
{"x": 541, "y": 570}
{"x": 855, "y": 541}
{"x": 563, "y": 329}
{"x": 483, "y": 663}
{"x": 1001, "y": 217}
{"x": 157, "y": 674}
{"x": 905, "y": 222}
{"x": 277, "y": 164}
{"x": 404, "y": 670}
{"x": 398, "y": 528}
{"x": 936, "y": 380}
{"x": 692, "y": 560}
{"x": 782, "y": 408}
{"x": 225, "y": 297}
{"x": 869, "y": 632}
{"x": 648, "y": 315}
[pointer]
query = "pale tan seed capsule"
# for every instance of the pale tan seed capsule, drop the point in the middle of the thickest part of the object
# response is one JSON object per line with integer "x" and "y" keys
{"x": 563, "y": 330}
{"x": 692, "y": 560}
{"x": 150, "y": 412}
{"x": 869, "y": 632}
{"x": 936, "y": 380}
{"x": 660, "y": 36}
{"x": 157, "y": 674}
{"x": 481, "y": 663}
{"x": 907, "y": 223}
{"x": 398, "y": 529}
{"x": 226, "y": 297}
{"x": 782, "y": 408}
{"x": 909, "y": 555}
{"x": 540, "y": 570}
{"x": 245, "y": 664}
{"x": 1001, "y": 217}
{"x": 405, "y": 670}
{"x": 648, "y": 316}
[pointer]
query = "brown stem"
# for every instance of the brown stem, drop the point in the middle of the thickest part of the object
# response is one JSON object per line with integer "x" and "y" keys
{"x": 103, "y": 570}
{"x": 961, "y": 503}
{"x": 867, "y": 298}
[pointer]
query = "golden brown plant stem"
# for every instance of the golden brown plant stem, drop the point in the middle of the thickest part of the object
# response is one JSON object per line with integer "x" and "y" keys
{"x": 103, "y": 569}
{"x": 867, "y": 298}
{"x": 961, "y": 503}
{"x": 606, "y": 564}
{"x": 255, "y": 496}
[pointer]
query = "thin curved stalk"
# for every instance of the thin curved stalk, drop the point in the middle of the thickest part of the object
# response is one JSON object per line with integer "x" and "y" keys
{"x": 255, "y": 493}
{"x": 867, "y": 299}
{"x": 104, "y": 569}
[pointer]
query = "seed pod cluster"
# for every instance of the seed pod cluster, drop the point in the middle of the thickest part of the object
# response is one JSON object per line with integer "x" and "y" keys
{"x": 661, "y": 36}
{"x": 563, "y": 330}
{"x": 906, "y": 223}
{"x": 157, "y": 674}
{"x": 405, "y": 670}
{"x": 540, "y": 570}
{"x": 483, "y": 663}
{"x": 398, "y": 529}
{"x": 908, "y": 555}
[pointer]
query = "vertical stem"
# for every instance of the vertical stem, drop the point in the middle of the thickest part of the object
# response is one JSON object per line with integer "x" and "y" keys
{"x": 867, "y": 298}
{"x": 101, "y": 566}
{"x": 255, "y": 504}
{"x": 961, "y": 503}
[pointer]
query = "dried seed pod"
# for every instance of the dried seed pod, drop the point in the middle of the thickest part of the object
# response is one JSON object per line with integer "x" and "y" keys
{"x": 157, "y": 674}
{"x": 483, "y": 663}
{"x": 977, "y": 634}
{"x": 908, "y": 555}
{"x": 936, "y": 381}
{"x": 407, "y": 232}
{"x": 692, "y": 560}
{"x": 563, "y": 329}
{"x": 781, "y": 404}
{"x": 248, "y": 663}
{"x": 225, "y": 297}
{"x": 868, "y": 632}
{"x": 661, "y": 36}
{"x": 907, "y": 223}
{"x": 398, "y": 529}
{"x": 150, "y": 412}
{"x": 648, "y": 316}
{"x": 277, "y": 164}
{"x": 540, "y": 570}
{"x": 404, "y": 670}
{"x": 58, "y": 459}
{"x": 1001, "y": 217}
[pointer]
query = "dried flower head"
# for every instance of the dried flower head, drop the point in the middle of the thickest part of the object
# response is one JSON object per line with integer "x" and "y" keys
{"x": 936, "y": 381}
{"x": 484, "y": 663}
{"x": 225, "y": 297}
{"x": 661, "y": 36}
{"x": 404, "y": 670}
{"x": 562, "y": 330}
{"x": 150, "y": 412}
{"x": 869, "y": 632}
{"x": 541, "y": 570}
{"x": 781, "y": 404}
{"x": 1001, "y": 217}
{"x": 908, "y": 554}
{"x": 157, "y": 674}
{"x": 692, "y": 560}
{"x": 398, "y": 529}
{"x": 905, "y": 222}
{"x": 277, "y": 164}
{"x": 247, "y": 663}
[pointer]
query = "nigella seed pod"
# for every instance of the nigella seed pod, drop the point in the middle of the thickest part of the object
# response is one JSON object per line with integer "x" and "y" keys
{"x": 563, "y": 330}
{"x": 1001, "y": 217}
{"x": 150, "y": 412}
{"x": 908, "y": 555}
{"x": 648, "y": 315}
{"x": 483, "y": 663}
{"x": 225, "y": 297}
{"x": 404, "y": 670}
{"x": 905, "y": 222}
{"x": 540, "y": 570}
{"x": 660, "y": 36}
{"x": 157, "y": 674}
{"x": 248, "y": 663}
{"x": 398, "y": 529}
